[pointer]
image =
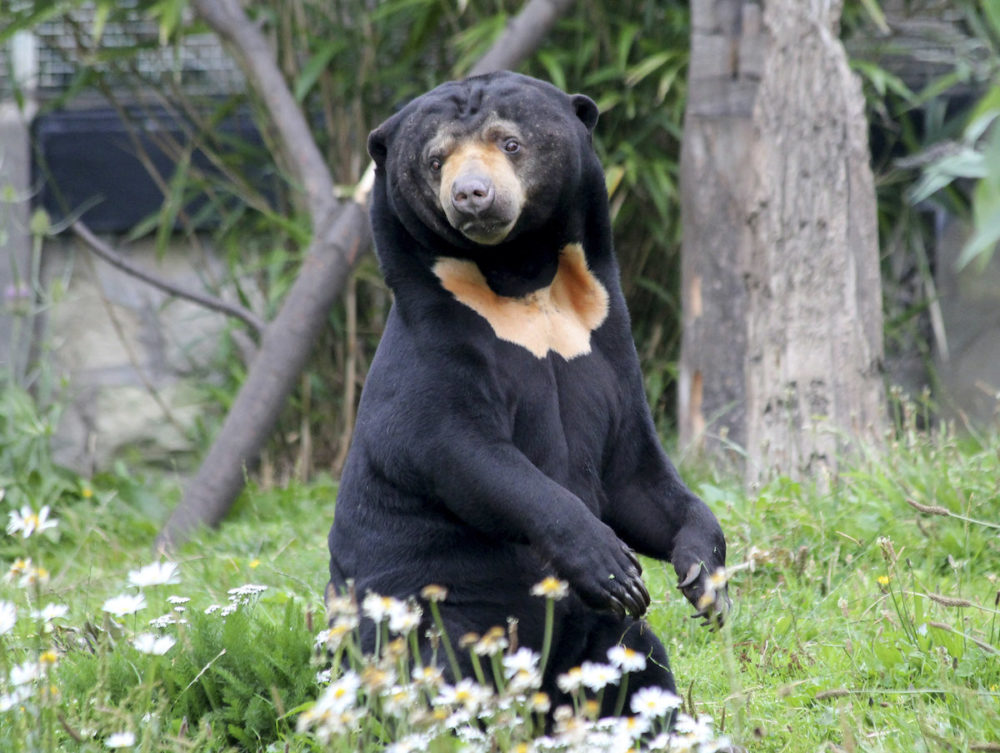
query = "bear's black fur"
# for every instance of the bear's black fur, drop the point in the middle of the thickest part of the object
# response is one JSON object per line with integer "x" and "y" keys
{"x": 503, "y": 433}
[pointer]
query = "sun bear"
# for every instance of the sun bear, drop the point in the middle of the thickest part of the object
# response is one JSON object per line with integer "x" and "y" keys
{"x": 503, "y": 434}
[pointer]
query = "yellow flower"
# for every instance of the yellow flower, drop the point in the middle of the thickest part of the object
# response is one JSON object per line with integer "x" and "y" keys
{"x": 375, "y": 678}
{"x": 541, "y": 703}
{"x": 395, "y": 649}
{"x": 493, "y": 642}
{"x": 719, "y": 578}
{"x": 19, "y": 567}
{"x": 551, "y": 588}
{"x": 49, "y": 657}
{"x": 254, "y": 563}
{"x": 883, "y": 580}
{"x": 434, "y": 592}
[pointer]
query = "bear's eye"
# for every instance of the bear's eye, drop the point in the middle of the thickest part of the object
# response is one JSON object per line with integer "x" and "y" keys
{"x": 435, "y": 164}
{"x": 511, "y": 146}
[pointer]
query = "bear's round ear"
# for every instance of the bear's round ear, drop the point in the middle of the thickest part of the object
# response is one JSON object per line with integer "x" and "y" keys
{"x": 377, "y": 144}
{"x": 585, "y": 110}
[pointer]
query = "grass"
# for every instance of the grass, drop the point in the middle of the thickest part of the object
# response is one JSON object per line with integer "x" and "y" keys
{"x": 866, "y": 618}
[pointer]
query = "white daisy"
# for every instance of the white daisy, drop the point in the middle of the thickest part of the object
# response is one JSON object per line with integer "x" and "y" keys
{"x": 523, "y": 681}
{"x": 626, "y": 659}
{"x": 571, "y": 681}
{"x": 125, "y": 604}
{"x": 24, "y": 673}
{"x": 404, "y": 617}
{"x": 27, "y": 521}
{"x": 8, "y": 616}
{"x": 429, "y": 676}
{"x": 467, "y": 694}
{"x": 522, "y": 660}
{"x": 339, "y": 695}
{"x": 410, "y": 744}
{"x": 494, "y": 641}
{"x": 399, "y": 699}
{"x": 50, "y": 612}
{"x": 155, "y": 574}
{"x": 551, "y": 588}
{"x": 15, "y": 698}
{"x": 148, "y": 643}
{"x": 654, "y": 702}
{"x": 378, "y": 608}
{"x": 120, "y": 740}
{"x": 598, "y": 676}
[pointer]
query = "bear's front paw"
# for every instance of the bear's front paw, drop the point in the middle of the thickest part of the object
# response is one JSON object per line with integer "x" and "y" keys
{"x": 709, "y": 594}
{"x": 606, "y": 575}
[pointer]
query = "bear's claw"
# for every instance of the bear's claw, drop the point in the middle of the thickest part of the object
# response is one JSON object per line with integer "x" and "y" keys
{"x": 694, "y": 587}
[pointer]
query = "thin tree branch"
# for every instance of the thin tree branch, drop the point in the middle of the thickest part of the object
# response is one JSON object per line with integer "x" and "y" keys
{"x": 104, "y": 251}
{"x": 522, "y": 37}
{"x": 339, "y": 239}
{"x": 284, "y": 350}
{"x": 256, "y": 57}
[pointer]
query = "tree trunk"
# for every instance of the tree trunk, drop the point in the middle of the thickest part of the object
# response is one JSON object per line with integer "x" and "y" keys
{"x": 804, "y": 327}
{"x": 814, "y": 361}
{"x": 715, "y": 180}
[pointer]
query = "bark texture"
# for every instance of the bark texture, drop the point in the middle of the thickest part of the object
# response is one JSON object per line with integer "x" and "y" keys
{"x": 814, "y": 360}
{"x": 782, "y": 348}
{"x": 718, "y": 134}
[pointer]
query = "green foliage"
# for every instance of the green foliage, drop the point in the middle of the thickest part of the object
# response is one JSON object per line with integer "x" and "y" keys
{"x": 870, "y": 615}
{"x": 921, "y": 159}
{"x": 865, "y": 614}
{"x": 233, "y": 677}
{"x": 350, "y": 64}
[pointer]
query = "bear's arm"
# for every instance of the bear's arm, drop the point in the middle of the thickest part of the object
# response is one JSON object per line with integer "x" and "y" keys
{"x": 461, "y": 458}
{"x": 653, "y": 511}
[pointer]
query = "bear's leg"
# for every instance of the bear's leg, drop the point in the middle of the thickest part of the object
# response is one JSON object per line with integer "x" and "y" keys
{"x": 639, "y": 637}
{"x": 608, "y": 631}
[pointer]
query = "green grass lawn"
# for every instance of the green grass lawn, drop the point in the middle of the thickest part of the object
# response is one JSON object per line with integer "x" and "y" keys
{"x": 865, "y": 618}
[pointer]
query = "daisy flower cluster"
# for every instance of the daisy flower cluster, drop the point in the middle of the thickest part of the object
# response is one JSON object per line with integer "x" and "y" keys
{"x": 129, "y": 604}
{"x": 400, "y": 692}
{"x": 241, "y": 596}
{"x": 25, "y": 680}
{"x": 29, "y": 689}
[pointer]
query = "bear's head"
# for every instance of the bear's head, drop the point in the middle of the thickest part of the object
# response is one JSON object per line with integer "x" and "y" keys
{"x": 483, "y": 161}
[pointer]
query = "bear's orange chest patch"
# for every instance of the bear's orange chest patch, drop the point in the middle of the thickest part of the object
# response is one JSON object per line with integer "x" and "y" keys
{"x": 557, "y": 318}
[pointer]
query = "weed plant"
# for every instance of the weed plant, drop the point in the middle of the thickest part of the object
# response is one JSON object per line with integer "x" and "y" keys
{"x": 866, "y": 618}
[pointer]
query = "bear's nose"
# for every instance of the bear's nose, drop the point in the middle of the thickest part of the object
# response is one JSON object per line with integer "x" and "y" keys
{"x": 472, "y": 194}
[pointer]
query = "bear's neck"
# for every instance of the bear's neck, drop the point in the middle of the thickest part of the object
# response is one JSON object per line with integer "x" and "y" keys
{"x": 514, "y": 277}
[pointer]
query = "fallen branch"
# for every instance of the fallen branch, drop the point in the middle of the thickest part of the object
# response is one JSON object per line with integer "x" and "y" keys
{"x": 112, "y": 257}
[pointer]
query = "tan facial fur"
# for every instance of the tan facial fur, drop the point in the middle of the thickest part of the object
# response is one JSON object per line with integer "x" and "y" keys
{"x": 482, "y": 155}
{"x": 558, "y": 317}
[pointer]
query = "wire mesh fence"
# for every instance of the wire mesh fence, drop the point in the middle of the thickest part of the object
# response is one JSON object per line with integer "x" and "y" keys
{"x": 68, "y": 50}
